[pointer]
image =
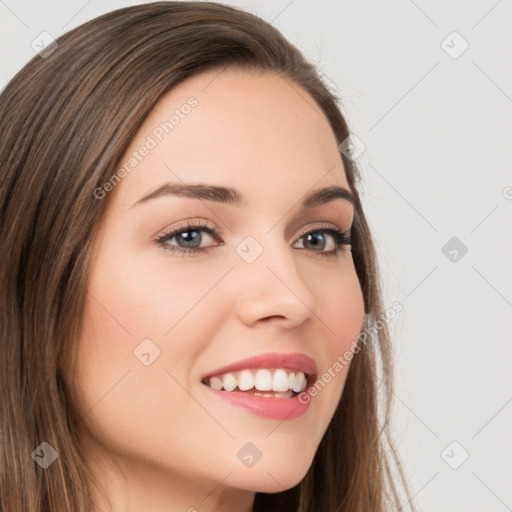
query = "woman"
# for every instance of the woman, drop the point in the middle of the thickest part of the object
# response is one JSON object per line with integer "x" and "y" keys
{"x": 191, "y": 311}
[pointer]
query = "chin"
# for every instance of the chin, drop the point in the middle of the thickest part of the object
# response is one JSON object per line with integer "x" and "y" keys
{"x": 272, "y": 478}
{"x": 277, "y": 482}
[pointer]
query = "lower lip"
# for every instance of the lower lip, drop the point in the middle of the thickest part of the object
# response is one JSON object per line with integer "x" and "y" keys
{"x": 275, "y": 408}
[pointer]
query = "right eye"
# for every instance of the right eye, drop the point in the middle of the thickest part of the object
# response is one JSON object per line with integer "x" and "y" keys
{"x": 191, "y": 238}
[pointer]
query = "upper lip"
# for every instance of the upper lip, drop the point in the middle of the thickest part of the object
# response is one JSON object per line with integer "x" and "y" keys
{"x": 272, "y": 360}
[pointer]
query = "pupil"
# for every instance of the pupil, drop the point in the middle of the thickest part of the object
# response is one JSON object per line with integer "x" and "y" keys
{"x": 315, "y": 235}
{"x": 187, "y": 238}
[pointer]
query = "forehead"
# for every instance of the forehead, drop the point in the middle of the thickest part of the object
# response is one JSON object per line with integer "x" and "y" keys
{"x": 253, "y": 130}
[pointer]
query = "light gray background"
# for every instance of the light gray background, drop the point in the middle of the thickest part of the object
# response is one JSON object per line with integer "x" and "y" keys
{"x": 437, "y": 165}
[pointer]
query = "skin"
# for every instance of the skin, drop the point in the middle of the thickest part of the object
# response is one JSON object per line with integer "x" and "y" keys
{"x": 154, "y": 437}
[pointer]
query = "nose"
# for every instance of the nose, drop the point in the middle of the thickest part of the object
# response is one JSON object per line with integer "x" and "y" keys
{"x": 273, "y": 289}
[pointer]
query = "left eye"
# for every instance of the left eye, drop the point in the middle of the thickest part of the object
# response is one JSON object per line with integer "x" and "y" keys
{"x": 190, "y": 236}
{"x": 337, "y": 236}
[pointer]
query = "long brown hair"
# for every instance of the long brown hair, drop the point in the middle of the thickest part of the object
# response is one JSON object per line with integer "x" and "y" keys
{"x": 65, "y": 122}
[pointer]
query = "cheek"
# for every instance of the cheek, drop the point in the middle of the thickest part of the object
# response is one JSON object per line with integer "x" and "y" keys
{"x": 117, "y": 393}
{"x": 341, "y": 316}
{"x": 153, "y": 296}
{"x": 341, "y": 307}
{"x": 135, "y": 307}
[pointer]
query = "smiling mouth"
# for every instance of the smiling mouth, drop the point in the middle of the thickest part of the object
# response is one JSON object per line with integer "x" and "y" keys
{"x": 263, "y": 382}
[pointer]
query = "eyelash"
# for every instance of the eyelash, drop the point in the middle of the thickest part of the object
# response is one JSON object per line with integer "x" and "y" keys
{"x": 341, "y": 238}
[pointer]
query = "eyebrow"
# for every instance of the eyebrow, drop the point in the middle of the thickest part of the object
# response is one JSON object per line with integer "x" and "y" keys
{"x": 234, "y": 197}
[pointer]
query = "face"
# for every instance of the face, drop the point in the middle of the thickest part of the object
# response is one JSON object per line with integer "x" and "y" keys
{"x": 238, "y": 280}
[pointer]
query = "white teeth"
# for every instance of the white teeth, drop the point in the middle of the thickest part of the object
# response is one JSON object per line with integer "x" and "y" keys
{"x": 216, "y": 383}
{"x": 287, "y": 394}
{"x": 300, "y": 383}
{"x": 245, "y": 380}
{"x": 263, "y": 380}
{"x": 291, "y": 380}
{"x": 280, "y": 381}
{"x": 280, "y": 384}
{"x": 229, "y": 382}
